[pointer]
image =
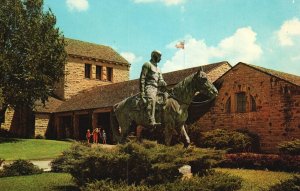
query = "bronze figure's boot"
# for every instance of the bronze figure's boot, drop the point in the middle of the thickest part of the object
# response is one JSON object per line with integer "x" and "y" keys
{"x": 151, "y": 115}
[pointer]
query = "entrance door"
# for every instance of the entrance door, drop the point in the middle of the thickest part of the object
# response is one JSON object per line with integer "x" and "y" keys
{"x": 84, "y": 123}
{"x": 66, "y": 130}
{"x": 103, "y": 122}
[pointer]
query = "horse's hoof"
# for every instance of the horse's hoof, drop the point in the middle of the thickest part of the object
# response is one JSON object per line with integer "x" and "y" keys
{"x": 186, "y": 145}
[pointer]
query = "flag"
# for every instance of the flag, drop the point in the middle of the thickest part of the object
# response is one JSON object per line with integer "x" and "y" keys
{"x": 180, "y": 45}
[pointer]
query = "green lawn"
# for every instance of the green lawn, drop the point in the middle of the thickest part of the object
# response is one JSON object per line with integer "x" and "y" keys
{"x": 31, "y": 149}
{"x": 44, "y": 182}
{"x": 257, "y": 180}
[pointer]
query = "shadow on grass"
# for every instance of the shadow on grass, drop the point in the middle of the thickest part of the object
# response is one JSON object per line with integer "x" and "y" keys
{"x": 8, "y": 140}
{"x": 66, "y": 188}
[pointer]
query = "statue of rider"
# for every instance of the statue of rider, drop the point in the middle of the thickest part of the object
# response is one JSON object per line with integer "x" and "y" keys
{"x": 150, "y": 80}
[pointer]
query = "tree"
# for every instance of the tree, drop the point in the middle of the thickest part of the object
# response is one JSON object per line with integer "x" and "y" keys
{"x": 32, "y": 58}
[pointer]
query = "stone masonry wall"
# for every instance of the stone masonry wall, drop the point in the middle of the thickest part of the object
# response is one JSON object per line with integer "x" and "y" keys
{"x": 8, "y": 118}
{"x": 277, "y": 115}
{"x": 41, "y": 124}
{"x": 75, "y": 80}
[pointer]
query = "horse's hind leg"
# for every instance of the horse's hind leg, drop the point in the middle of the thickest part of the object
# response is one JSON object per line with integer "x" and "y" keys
{"x": 139, "y": 130}
{"x": 168, "y": 133}
{"x": 185, "y": 137}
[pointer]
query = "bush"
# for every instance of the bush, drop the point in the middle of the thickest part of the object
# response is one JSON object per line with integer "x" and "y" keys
{"x": 211, "y": 182}
{"x": 262, "y": 161}
{"x": 290, "y": 147}
{"x": 1, "y": 161}
{"x": 66, "y": 161}
{"x": 290, "y": 185}
{"x": 20, "y": 168}
{"x": 106, "y": 185}
{"x": 255, "y": 140}
{"x": 4, "y": 133}
{"x": 148, "y": 163}
{"x": 229, "y": 140}
{"x": 39, "y": 136}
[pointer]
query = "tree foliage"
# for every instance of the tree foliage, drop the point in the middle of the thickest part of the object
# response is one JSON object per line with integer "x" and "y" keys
{"x": 32, "y": 53}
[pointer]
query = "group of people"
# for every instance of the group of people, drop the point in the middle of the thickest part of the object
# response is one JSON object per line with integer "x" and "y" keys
{"x": 97, "y": 134}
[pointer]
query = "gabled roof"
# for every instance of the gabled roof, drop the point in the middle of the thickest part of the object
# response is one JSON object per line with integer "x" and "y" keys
{"x": 281, "y": 75}
{"x": 108, "y": 95}
{"x": 95, "y": 51}
{"x": 50, "y": 106}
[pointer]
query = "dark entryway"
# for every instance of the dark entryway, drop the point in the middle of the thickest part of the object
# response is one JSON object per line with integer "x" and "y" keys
{"x": 84, "y": 123}
{"x": 66, "y": 126}
{"x": 103, "y": 122}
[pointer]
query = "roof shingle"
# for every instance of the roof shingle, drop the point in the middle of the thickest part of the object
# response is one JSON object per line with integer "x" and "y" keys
{"x": 282, "y": 75}
{"x": 95, "y": 51}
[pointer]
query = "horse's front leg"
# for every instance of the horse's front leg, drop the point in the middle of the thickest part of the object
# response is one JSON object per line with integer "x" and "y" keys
{"x": 139, "y": 130}
{"x": 185, "y": 136}
{"x": 168, "y": 133}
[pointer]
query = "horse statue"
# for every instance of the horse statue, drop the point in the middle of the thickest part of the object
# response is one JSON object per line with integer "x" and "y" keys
{"x": 172, "y": 112}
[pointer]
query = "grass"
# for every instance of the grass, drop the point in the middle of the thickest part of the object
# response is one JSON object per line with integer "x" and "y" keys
{"x": 45, "y": 182}
{"x": 31, "y": 149}
{"x": 257, "y": 180}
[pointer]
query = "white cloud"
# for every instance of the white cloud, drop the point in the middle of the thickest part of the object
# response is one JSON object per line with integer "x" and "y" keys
{"x": 295, "y": 58}
{"x": 240, "y": 47}
{"x": 131, "y": 57}
{"x": 288, "y": 32}
{"x": 166, "y": 2}
{"x": 77, "y": 5}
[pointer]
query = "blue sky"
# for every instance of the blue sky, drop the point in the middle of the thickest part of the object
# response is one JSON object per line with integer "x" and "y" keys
{"x": 260, "y": 32}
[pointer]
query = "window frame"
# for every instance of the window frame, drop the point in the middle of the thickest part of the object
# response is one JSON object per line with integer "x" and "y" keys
{"x": 87, "y": 74}
{"x": 228, "y": 105}
{"x": 109, "y": 74}
{"x": 241, "y": 102}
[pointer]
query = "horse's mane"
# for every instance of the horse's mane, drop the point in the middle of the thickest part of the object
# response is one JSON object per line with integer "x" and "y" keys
{"x": 182, "y": 85}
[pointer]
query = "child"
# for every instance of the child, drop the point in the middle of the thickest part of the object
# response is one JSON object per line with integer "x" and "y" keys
{"x": 95, "y": 135}
{"x": 104, "y": 137}
{"x": 88, "y": 136}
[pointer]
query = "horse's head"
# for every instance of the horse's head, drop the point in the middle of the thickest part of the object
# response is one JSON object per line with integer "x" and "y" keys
{"x": 203, "y": 85}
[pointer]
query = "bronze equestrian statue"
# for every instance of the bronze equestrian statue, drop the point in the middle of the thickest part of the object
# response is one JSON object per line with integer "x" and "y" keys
{"x": 172, "y": 111}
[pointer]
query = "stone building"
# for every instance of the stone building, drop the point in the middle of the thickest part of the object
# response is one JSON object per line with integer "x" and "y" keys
{"x": 88, "y": 65}
{"x": 261, "y": 100}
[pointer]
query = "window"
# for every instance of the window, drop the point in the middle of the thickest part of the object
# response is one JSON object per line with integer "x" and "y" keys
{"x": 98, "y": 72}
{"x": 109, "y": 73}
{"x": 253, "y": 104}
{"x": 87, "y": 70}
{"x": 228, "y": 105}
{"x": 241, "y": 102}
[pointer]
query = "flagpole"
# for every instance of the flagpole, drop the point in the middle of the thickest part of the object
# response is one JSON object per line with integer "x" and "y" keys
{"x": 184, "y": 53}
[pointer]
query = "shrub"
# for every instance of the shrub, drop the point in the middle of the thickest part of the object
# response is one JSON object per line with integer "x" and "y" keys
{"x": 222, "y": 139}
{"x": 106, "y": 185}
{"x": 290, "y": 147}
{"x": 147, "y": 163}
{"x": 66, "y": 161}
{"x": 211, "y": 182}
{"x": 262, "y": 161}
{"x": 290, "y": 185}
{"x": 255, "y": 140}
{"x": 4, "y": 133}
{"x": 20, "y": 168}
{"x": 1, "y": 161}
{"x": 39, "y": 136}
